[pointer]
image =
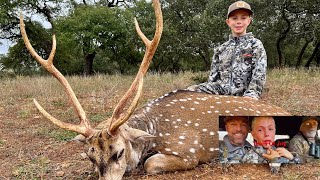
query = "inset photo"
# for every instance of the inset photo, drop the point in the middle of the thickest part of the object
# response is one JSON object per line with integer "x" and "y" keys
{"x": 269, "y": 139}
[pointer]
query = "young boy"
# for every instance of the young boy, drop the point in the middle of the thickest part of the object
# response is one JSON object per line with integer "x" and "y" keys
{"x": 238, "y": 65}
{"x": 263, "y": 131}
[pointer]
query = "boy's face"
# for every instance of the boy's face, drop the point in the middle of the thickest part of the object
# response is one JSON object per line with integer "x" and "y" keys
{"x": 264, "y": 130}
{"x": 238, "y": 22}
{"x": 237, "y": 129}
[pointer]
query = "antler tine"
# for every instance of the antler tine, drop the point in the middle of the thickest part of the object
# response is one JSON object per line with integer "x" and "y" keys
{"x": 45, "y": 63}
{"x": 84, "y": 127}
{"x": 151, "y": 47}
{"x": 131, "y": 109}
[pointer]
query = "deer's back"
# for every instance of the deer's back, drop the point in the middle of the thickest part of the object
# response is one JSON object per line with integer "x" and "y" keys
{"x": 188, "y": 122}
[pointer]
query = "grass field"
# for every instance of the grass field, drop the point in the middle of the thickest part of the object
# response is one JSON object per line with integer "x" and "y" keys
{"x": 33, "y": 148}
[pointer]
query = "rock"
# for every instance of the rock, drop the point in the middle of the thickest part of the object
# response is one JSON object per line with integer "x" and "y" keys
{"x": 60, "y": 173}
{"x": 65, "y": 165}
{"x": 84, "y": 156}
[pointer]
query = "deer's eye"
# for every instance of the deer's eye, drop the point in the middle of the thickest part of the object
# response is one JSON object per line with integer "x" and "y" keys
{"x": 91, "y": 158}
{"x": 91, "y": 149}
{"x": 120, "y": 154}
{"x": 117, "y": 156}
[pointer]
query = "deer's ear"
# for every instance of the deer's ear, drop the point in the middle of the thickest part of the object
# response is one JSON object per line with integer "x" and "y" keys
{"x": 80, "y": 138}
{"x": 139, "y": 135}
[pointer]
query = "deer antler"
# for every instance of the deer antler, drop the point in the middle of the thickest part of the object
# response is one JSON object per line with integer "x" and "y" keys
{"x": 117, "y": 119}
{"x": 84, "y": 127}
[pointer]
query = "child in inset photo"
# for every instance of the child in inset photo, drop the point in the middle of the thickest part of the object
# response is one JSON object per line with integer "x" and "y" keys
{"x": 263, "y": 131}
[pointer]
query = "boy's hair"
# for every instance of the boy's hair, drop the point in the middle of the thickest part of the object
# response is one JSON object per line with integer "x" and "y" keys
{"x": 239, "y": 5}
{"x": 255, "y": 119}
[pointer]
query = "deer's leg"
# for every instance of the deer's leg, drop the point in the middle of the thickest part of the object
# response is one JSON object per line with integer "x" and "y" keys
{"x": 164, "y": 162}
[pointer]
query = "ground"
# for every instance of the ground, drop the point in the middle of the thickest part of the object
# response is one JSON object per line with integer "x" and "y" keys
{"x": 33, "y": 148}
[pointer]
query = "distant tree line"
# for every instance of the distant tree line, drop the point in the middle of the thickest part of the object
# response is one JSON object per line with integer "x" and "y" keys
{"x": 99, "y": 36}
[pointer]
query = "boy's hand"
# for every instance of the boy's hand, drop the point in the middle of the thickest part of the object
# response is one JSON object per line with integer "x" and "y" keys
{"x": 193, "y": 87}
{"x": 284, "y": 153}
{"x": 251, "y": 98}
{"x": 271, "y": 154}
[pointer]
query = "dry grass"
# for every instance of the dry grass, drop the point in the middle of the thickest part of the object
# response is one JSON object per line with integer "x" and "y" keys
{"x": 294, "y": 90}
{"x": 32, "y": 148}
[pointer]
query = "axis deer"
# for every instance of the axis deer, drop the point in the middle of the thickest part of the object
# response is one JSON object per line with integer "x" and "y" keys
{"x": 174, "y": 132}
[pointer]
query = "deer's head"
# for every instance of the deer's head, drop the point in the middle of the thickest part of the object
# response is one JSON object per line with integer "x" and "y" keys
{"x": 111, "y": 145}
{"x": 114, "y": 154}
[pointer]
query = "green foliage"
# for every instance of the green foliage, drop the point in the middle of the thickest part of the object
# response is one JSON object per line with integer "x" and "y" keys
{"x": 200, "y": 78}
{"x": 57, "y": 134}
{"x": 7, "y": 19}
{"x": 24, "y": 113}
{"x": 7, "y": 75}
{"x": 273, "y": 18}
{"x": 99, "y": 117}
{"x": 19, "y": 59}
{"x": 191, "y": 31}
{"x": 62, "y": 135}
{"x": 105, "y": 36}
{"x": 101, "y": 31}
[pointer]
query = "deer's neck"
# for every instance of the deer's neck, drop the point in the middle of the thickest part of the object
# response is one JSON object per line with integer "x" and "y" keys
{"x": 141, "y": 120}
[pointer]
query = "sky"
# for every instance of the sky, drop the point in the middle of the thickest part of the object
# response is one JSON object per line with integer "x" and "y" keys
{"x": 4, "y": 46}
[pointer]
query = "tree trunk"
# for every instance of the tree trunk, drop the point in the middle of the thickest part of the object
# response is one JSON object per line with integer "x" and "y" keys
{"x": 89, "y": 63}
{"x": 282, "y": 37}
{"x": 205, "y": 55}
{"x": 313, "y": 55}
{"x": 318, "y": 58}
{"x": 279, "y": 52}
{"x": 299, "y": 60}
{"x": 157, "y": 62}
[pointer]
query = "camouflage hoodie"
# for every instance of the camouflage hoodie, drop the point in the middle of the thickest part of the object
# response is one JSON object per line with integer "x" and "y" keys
{"x": 255, "y": 156}
{"x": 238, "y": 68}
{"x": 301, "y": 146}
{"x": 229, "y": 153}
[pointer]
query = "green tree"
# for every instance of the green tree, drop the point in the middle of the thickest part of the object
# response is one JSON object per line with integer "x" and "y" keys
{"x": 85, "y": 31}
{"x": 19, "y": 59}
{"x": 92, "y": 33}
{"x": 192, "y": 29}
{"x": 96, "y": 30}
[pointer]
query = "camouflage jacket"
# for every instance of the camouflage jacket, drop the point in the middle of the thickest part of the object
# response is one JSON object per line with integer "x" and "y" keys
{"x": 238, "y": 68}
{"x": 229, "y": 153}
{"x": 301, "y": 146}
{"x": 255, "y": 156}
